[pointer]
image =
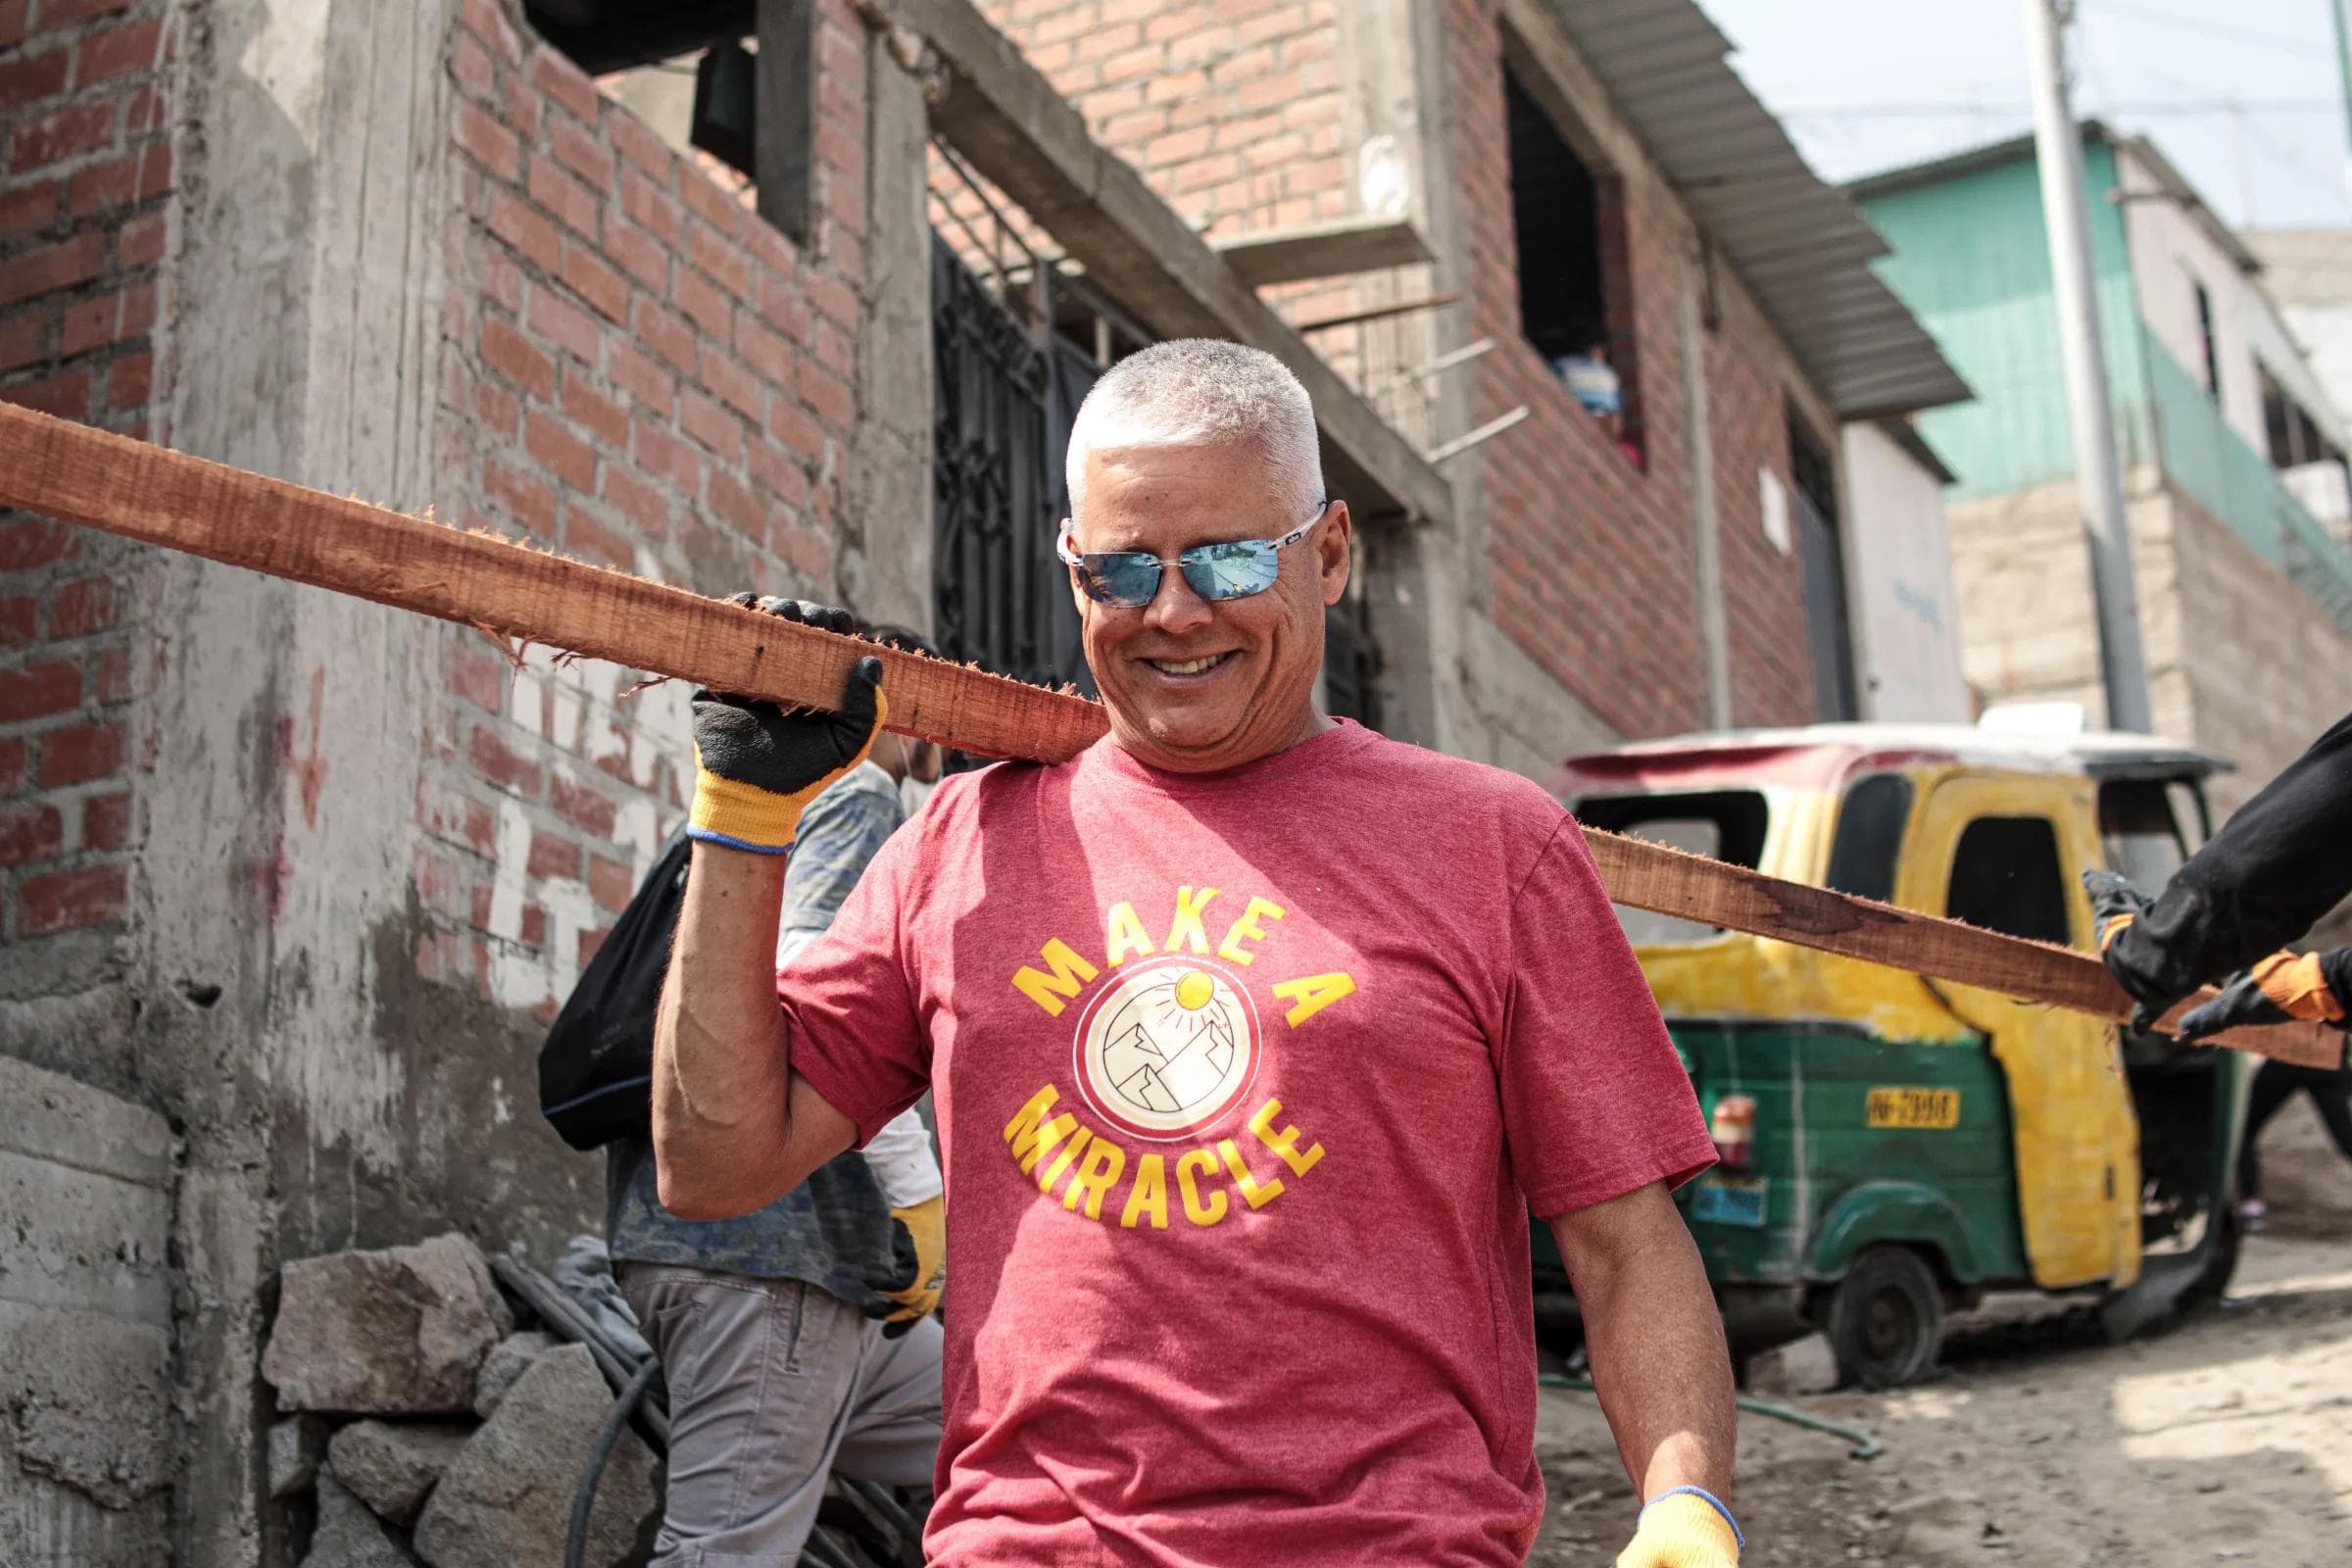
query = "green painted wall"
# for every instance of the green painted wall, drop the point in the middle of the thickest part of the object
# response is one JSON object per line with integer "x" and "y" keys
{"x": 1972, "y": 260}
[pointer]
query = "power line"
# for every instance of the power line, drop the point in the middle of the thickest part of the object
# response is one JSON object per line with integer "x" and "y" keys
{"x": 2153, "y": 108}
{"x": 2211, "y": 29}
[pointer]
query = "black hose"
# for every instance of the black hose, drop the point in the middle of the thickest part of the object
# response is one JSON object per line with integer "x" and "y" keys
{"x": 569, "y": 1320}
{"x": 583, "y": 1501}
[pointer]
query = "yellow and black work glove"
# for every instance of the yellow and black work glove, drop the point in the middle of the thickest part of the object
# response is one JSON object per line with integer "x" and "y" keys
{"x": 1685, "y": 1528}
{"x": 2282, "y": 988}
{"x": 758, "y": 765}
{"x": 2115, "y": 904}
{"x": 919, "y": 1249}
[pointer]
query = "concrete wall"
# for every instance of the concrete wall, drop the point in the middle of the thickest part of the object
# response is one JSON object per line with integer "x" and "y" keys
{"x": 2023, "y": 578}
{"x": 2265, "y": 679}
{"x": 2224, "y": 632}
{"x": 1905, "y": 609}
{"x": 85, "y": 1325}
{"x": 303, "y": 878}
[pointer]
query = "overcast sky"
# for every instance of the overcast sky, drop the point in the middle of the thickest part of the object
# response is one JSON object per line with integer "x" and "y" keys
{"x": 2242, "y": 95}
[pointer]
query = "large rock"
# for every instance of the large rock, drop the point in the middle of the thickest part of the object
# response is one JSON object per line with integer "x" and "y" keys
{"x": 506, "y": 1500}
{"x": 399, "y": 1332}
{"x": 348, "y": 1534}
{"x": 390, "y": 1468}
{"x": 510, "y": 1361}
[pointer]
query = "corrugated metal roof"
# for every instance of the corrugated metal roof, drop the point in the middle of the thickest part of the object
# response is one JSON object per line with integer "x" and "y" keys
{"x": 1797, "y": 243}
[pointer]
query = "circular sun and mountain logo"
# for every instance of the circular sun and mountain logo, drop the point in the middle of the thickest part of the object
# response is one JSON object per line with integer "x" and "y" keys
{"x": 1168, "y": 1049}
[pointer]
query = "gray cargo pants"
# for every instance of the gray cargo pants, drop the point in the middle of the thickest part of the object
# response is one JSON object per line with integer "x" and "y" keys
{"x": 772, "y": 1384}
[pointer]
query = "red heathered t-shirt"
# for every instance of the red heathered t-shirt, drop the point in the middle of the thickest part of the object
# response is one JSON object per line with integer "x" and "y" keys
{"x": 1245, "y": 1086}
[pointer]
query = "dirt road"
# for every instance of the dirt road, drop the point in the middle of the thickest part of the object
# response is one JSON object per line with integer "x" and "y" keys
{"x": 2228, "y": 1440}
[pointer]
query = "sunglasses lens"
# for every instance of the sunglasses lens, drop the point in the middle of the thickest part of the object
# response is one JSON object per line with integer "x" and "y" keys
{"x": 1128, "y": 578}
{"x": 1233, "y": 570}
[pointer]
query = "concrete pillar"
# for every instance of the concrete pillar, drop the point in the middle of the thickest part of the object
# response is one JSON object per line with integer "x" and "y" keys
{"x": 308, "y": 269}
{"x": 885, "y": 534}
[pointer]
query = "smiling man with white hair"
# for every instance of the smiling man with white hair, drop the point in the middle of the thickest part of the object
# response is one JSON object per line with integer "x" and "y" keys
{"x": 1253, "y": 1038}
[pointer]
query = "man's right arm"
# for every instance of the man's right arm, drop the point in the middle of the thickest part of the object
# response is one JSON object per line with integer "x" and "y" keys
{"x": 734, "y": 1127}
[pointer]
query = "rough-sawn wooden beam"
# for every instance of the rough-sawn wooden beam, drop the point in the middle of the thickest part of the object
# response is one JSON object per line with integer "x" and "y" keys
{"x": 244, "y": 520}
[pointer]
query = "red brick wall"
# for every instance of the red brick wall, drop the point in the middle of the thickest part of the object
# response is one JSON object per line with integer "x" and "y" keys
{"x": 86, "y": 184}
{"x": 641, "y": 373}
{"x": 1230, "y": 108}
{"x": 1763, "y": 590}
{"x": 1233, "y": 111}
{"x": 1591, "y": 569}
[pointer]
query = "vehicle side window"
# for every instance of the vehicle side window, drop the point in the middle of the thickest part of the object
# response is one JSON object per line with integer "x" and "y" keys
{"x": 1721, "y": 824}
{"x": 2006, "y": 877}
{"x": 1869, "y": 841}
{"x": 2144, "y": 828}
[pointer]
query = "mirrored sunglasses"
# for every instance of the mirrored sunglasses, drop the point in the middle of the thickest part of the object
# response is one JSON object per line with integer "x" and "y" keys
{"x": 1231, "y": 568}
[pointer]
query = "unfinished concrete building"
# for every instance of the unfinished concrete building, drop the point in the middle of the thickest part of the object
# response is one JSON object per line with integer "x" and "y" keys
{"x": 2233, "y": 465}
{"x": 291, "y": 883}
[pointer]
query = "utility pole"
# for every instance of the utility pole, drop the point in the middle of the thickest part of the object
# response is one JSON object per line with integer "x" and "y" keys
{"x": 2343, "y": 72}
{"x": 2058, "y": 143}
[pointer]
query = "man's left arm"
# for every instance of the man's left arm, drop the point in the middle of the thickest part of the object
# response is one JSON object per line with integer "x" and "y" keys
{"x": 1662, "y": 1371}
{"x": 1601, "y": 1123}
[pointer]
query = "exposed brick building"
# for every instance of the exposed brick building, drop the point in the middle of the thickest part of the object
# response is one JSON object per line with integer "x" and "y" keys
{"x": 291, "y": 882}
{"x": 302, "y": 876}
{"x": 1575, "y": 562}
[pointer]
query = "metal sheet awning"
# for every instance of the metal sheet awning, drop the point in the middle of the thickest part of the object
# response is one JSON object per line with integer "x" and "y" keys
{"x": 1798, "y": 243}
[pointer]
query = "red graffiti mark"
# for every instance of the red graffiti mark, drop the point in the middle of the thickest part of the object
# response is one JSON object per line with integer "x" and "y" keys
{"x": 311, "y": 772}
{"x": 262, "y": 885}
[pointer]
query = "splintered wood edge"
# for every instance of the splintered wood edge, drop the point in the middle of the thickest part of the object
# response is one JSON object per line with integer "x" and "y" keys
{"x": 149, "y": 493}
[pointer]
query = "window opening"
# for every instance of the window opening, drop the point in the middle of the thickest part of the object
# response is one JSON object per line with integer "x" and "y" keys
{"x": 2006, "y": 877}
{"x": 2213, "y": 359}
{"x": 2138, "y": 831}
{"x": 1869, "y": 841}
{"x": 1727, "y": 825}
{"x": 1574, "y": 302}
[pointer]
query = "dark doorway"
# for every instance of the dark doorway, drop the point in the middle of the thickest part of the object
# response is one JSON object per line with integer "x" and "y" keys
{"x": 1829, "y": 631}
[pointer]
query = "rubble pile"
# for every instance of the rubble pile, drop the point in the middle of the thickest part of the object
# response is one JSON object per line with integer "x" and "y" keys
{"x": 431, "y": 1430}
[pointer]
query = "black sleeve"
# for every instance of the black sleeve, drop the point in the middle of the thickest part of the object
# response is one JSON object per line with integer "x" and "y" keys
{"x": 2283, "y": 860}
{"x": 2335, "y": 968}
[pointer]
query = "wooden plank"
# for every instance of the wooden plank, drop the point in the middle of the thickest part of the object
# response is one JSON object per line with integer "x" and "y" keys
{"x": 1006, "y": 119}
{"x": 1340, "y": 249}
{"x": 1668, "y": 881}
{"x": 243, "y": 520}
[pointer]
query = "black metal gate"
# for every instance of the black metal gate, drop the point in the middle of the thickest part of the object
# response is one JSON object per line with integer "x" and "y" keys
{"x": 1005, "y": 397}
{"x": 1001, "y": 425}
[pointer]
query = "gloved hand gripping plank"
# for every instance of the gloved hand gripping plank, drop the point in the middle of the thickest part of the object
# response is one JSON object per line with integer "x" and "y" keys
{"x": 244, "y": 520}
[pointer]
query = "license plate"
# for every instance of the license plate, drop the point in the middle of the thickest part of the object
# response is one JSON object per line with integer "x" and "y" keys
{"x": 1729, "y": 1200}
{"x": 1936, "y": 1108}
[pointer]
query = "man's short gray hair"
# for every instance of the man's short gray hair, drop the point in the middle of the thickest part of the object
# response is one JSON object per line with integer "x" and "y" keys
{"x": 1199, "y": 391}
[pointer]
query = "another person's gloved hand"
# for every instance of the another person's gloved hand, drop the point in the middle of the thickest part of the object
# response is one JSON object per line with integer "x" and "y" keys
{"x": 1685, "y": 1528}
{"x": 921, "y": 1250}
{"x": 2116, "y": 903}
{"x": 757, "y": 767}
{"x": 2283, "y": 987}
